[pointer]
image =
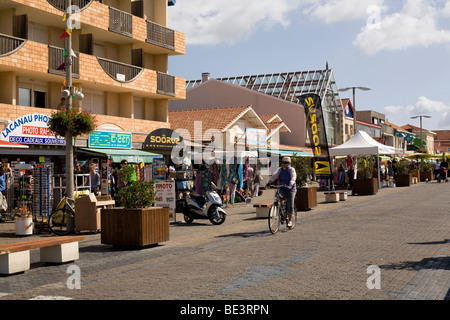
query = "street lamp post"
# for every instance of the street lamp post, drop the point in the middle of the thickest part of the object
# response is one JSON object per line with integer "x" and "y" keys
{"x": 421, "y": 131}
{"x": 354, "y": 103}
{"x": 69, "y": 139}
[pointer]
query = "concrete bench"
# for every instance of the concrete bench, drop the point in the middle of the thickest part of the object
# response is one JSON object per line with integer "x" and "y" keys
{"x": 335, "y": 196}
{"x": 15, "y": 257}
{"x": 262, "y": 210}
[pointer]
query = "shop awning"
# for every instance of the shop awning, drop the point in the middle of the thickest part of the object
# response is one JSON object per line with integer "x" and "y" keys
{"x": 287, "y": 153}
{"x": 117, "y": 155}
{"x": 6, "y": 144}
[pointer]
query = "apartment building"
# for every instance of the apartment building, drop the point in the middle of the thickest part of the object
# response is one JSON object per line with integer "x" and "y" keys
{"x": 120, "y": 65}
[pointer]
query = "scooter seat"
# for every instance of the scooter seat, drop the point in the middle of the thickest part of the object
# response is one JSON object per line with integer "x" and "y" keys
{"x": 198, "y": 198}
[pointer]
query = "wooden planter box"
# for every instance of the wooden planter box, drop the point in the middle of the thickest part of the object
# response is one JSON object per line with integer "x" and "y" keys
{"x": 365, "y": 186}
{"x": 306, "y": 198}
{"x": 403, "y": 180}
{"x": 426, "y": 175}
{"x": 417, "y": 174}
{"x": 135, "y": 227}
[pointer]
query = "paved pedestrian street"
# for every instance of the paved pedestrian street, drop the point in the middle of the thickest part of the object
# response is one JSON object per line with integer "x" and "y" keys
{"x": 391, "y": 246}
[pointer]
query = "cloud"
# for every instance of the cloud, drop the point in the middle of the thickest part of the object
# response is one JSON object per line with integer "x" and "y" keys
{"x": 229, "y": 21}
{"x": 417, "y": 24}
{"x": 333, "y": 11}
{"x": 423, "y": 106}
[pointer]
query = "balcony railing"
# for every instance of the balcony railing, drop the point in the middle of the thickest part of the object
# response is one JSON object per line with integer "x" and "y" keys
{"x": 9, "y": 44}
{"x": 166, "y": 84}
{"x": 120, "y": 72}
{"x": 56, "y": 59}
{"x": 160, "y": 35}
{"x": 61, "y": 4}
{"x": 120, "y": 22}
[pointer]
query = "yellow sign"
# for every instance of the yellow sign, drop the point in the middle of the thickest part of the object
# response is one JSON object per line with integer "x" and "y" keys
{"x": 323, "y": 168}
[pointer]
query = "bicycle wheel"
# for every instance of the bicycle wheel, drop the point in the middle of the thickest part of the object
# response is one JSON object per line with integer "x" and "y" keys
{"x": 62, "y": 221}
{"x": 274, "y": 218}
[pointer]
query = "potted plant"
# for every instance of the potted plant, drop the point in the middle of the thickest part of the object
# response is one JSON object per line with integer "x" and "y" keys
{"x": 135, "y": 222}
{"x": 365, "y": 184}
{"x": 426, "y": 171}
{"x": 306, "y": 197}
{"x": 402, "y": 176}
{"x": 23, "y": 222}
{"x": 74, "y": 121}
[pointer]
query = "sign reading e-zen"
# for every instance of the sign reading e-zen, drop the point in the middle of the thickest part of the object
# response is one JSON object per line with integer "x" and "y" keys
{"x": 104, "y": 139}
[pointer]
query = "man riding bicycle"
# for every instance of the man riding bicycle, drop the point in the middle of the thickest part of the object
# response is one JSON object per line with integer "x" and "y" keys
{"x": 286, "y": 176}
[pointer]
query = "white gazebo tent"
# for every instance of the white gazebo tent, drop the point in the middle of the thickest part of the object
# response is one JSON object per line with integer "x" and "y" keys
{"x": 362, "y": 144}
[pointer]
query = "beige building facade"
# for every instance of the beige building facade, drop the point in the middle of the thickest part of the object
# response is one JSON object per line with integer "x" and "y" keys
{"x": 120, "y": 63}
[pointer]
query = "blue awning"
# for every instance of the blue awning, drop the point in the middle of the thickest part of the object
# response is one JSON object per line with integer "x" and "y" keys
{"x": 287, "y": 153}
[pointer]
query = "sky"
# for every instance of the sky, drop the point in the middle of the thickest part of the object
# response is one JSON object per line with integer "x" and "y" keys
{"x": 400, "y": 49}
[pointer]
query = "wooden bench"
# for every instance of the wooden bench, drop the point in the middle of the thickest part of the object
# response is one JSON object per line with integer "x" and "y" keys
{"x": 262, "y": 209}
{"x": 335, "y": 196}
{"x": 15, "y": 257}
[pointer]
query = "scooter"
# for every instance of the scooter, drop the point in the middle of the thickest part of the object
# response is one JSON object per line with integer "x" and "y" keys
{"x": 199, "y": 207}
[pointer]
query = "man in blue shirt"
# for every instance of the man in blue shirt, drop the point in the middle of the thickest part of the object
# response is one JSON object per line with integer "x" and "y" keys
{"x": 286, "y": 176}
{"x": 3, "y": 171}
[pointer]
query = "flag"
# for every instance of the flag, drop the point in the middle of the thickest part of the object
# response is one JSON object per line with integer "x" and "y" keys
{"x": 72, "y": 53}
{"x": 65, "y": 16}
{"x": 65, "y": 34}
{"x": 316, "y": 130}
{"x": 62, "y": 67}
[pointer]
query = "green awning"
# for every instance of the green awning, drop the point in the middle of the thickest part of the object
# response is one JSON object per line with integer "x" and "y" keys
{"x": 288, "y": 153}
{"x": 117, "y": 155}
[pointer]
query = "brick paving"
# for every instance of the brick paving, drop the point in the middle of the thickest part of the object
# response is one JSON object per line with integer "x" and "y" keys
{"x": 405, "y": 232}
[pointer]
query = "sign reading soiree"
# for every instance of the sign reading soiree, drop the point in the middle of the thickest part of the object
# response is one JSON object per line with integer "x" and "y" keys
{"x": 31, "y": 129}
{"x": 110, "y": 140}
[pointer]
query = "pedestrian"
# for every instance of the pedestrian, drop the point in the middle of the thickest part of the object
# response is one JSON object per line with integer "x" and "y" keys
{"x": 126, "y": 175}
{"x": 249, "y": 182}
{"x": 4, "y": 172}
{"x": 287, "y": 177}
{"x": 95, "y": 179}
{"x": 437, "y": 167}
{"x": 256, "y": 182}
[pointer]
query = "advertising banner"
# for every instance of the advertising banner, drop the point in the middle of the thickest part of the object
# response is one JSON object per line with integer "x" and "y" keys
{"x": 165, "y": 197}
{"x": 317, "y": 133}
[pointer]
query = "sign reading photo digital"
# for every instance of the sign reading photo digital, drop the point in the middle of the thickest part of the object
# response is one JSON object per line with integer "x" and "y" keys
{"x": 31, "y": 129}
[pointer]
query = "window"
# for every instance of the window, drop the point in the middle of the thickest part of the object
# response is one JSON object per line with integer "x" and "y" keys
{"x": 346, "y": 128}
{"x": 32, "y": 95}
{"x": 374, "y": 120}
{"x": 25, "y": 97}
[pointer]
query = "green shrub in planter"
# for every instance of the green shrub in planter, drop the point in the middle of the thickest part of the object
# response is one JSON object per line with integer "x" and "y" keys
{"x": 402, "y": 166}
{"x": 139, "y": 194}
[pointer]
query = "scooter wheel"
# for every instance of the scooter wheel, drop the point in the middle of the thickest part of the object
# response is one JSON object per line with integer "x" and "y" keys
{"x": 188, "y": 218}
{"x": 217, "y": 218}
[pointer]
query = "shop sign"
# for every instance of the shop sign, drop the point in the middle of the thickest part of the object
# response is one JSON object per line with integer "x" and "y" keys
{"x": 165, "y": 197}
{"x": 256, "y": 137}
{"x": 110, "y": 140}
{"x": 31, "y": 129}
{"x": 162, "y": 139}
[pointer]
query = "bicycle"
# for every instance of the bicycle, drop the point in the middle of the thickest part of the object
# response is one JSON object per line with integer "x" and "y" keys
{"x": 278, "y": 213}
{"x": 62, "y": 220}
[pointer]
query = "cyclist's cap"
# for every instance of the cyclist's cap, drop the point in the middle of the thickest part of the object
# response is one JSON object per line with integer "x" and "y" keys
{"x": 286, "y": 160}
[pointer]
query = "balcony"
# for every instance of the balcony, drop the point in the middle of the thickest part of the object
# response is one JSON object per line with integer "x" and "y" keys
{"x": 118, "y": 71}
{"x": 9, "y": 44}
{"x": 120, "y": 22}
{"x": 56, "y": 59}
{"x": 160, "y": 35}
{"x": 165, "y": 84}
{"x": 61, "y": 4}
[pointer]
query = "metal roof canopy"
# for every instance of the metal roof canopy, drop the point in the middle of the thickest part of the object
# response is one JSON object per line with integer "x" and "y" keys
{"x": 117, "y": 155}
{"x": 290, "y": 86}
